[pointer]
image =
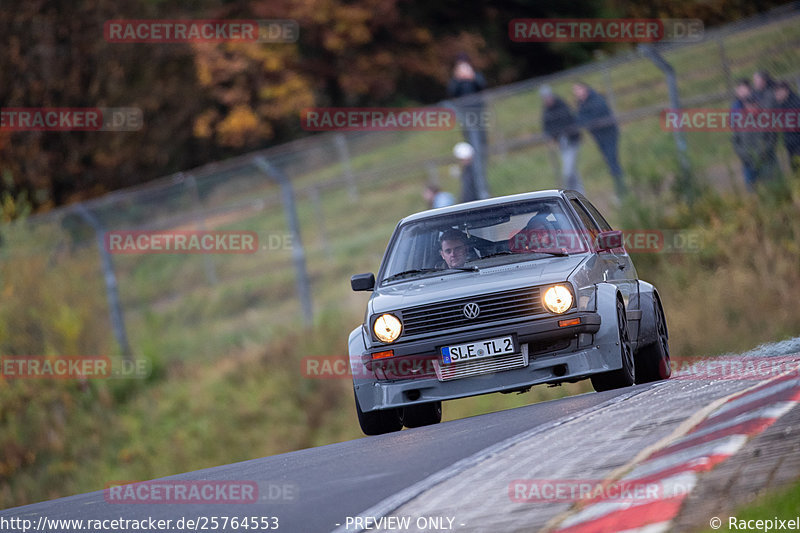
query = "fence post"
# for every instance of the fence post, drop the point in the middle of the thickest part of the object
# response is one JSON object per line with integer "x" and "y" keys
{"x": 115, "y": 310}
{"x": 344, "y": 159}
{"x": 686, "y": 183}
{"x": 726, "y": 68}
{"x": 313, "y": 193}
{"x": 298, "y": 253}
{"x": 200, "y": 222}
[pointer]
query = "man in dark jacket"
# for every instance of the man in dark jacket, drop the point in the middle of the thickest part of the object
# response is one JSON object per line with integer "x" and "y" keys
{"x": 560, "y": 125}
{"x": 756, "y": 149}
{"x": 786, "y": 98}
{"x": 595, "y": 115}
{"x": 743, "y": 90}
{"x": 466, "y": 85}
{"x": 764, "y": 89}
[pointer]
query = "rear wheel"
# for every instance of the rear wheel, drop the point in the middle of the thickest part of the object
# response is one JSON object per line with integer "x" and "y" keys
{"x": 423, "y": 414}
{"x": 625, "y": 376}
{"x": 652, "y": 361}
{"x": 378, "y": 422}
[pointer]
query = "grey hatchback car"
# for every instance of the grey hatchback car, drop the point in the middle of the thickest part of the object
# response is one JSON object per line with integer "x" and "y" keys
{"x": 499, "y": 295}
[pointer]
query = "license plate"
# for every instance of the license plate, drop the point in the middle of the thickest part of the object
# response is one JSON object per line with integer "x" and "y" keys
{"x": 477, "y": 350}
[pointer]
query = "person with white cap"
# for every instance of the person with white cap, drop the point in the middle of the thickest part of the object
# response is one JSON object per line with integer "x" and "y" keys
{"x": 561, "y": 126}
{"x": 471, "y": 187}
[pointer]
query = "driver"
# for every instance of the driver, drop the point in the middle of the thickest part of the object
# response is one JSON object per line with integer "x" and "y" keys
{"x": 453, "y": 248}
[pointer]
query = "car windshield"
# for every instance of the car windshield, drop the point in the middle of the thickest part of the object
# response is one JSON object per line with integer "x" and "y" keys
{"x": 481, "y": 238}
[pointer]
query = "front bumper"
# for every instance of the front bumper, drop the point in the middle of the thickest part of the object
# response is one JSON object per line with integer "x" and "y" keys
{"x": 579, "y": 351}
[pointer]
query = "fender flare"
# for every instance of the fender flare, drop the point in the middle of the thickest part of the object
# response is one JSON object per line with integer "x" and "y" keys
{"x": 607, "y": 337}
{"x": 356, "y": 347}
{"x": 647, "y": 327}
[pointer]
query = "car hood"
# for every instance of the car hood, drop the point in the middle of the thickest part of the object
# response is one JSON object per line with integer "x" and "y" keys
{"x": 464, "y": 284}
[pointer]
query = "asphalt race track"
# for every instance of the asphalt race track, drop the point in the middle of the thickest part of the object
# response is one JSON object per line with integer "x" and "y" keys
{"x": 477, "y": 473}
{"x": 326, "y": 484}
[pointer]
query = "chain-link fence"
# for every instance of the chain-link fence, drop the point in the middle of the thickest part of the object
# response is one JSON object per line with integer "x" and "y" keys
{"x": 324, "y": 206}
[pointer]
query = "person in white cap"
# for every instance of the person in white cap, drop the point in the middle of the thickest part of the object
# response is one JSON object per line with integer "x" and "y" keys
{"x": 466, "y": 86}
{"x": 470, "y": 188}
{"x": 561, "y": 126}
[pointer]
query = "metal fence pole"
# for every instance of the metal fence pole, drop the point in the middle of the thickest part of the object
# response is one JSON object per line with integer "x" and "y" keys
{"x": 726, "y": 68}
{"x": 200, "y": 222}
{"x": 115, "y": 310}
{"x": 316, "y": 201}
{"x": 344, "y": 159}
{"x": 686, "y": 184}
{"x": 298, "y": 253}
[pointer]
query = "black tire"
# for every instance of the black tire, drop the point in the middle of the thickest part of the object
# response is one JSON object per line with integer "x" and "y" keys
{"x": 423, "y": 414}
{"x": 652, "y": 361}
{"x": 625, "y": 376}
{"x": 378, "y": 422}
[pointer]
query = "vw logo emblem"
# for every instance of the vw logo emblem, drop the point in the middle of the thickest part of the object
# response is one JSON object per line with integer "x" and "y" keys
{"x": 472, "y": 310}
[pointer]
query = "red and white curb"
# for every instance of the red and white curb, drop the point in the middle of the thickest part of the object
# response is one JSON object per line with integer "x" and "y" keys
{"x": 676, "y": 467}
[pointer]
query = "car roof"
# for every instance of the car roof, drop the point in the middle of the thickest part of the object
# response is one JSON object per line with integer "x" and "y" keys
{"x": 499, "y": 200}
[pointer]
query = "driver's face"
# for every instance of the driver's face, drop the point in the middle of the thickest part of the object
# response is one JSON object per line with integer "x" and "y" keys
{"x": 454, "y": 253}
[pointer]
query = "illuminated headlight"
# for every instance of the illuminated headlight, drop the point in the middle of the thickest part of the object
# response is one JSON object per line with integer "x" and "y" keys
{"x": 557, "y": 299}
{"x": 387, "y": 328}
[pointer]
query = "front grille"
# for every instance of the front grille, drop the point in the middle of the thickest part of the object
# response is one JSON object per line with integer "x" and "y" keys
{"x": 488, "y": 365}
{"x": 495, "y": 306}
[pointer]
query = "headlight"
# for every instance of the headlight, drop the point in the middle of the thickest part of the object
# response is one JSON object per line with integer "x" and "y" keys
{"x": 387, "y": 328}
{"x": 557, "y": 299}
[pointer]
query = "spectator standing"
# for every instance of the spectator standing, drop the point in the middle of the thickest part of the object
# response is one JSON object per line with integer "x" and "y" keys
{"x": 595, "y": 115}
{"x": 436, "y": 197}
{"x": 561, "y": 126}
{"x": 469, "y": 187}
{"x": 742, "y": 91}
{"x": 786, "y": 98}
{"x": 756, "y": 149}
{"x": 764, "y": 89}
{"x": 466, "y": 84}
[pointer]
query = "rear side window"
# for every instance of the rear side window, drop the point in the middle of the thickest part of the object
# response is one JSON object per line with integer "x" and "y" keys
{"x": 584, "y": 216}
{"x": 605, "y": 226}
{"x": 586, "y": 219}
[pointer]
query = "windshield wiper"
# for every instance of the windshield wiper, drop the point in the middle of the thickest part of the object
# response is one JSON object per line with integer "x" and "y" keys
{"x": 504, "y": 252}
{"x": 409, "y": 272}
{"x": 429, "y": 270}
{"x": 557, "y": 253}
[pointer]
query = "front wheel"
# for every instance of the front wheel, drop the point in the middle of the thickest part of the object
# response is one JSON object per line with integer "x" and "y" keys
{"x": 423, "y": 414}
{"x": 625, "y": 376}
{"x": 652, "y": 361}
{"x": 378, "y": 422}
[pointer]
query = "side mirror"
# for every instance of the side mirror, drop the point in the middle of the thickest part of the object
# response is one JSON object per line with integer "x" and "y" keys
{"x": 608, "y": 240}
{"x": 363, "y": 282}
